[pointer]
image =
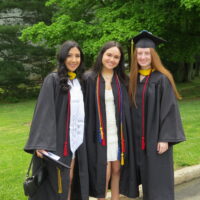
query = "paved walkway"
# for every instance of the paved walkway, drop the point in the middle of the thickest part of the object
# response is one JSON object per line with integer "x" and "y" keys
{"x": 182, "y": 177}
{"x": 188, "y": 191}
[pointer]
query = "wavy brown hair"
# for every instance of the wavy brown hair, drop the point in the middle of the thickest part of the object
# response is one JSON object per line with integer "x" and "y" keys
{"x": 156, "y": 64}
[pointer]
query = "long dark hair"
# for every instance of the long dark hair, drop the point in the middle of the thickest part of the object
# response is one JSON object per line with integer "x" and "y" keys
{"x": 62, "y": 69}
{"x": 119, "y": 70}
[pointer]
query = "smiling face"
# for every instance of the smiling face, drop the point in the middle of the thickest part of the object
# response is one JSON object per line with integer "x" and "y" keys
{"x": 144, "y": 58}
{"x": 111, "y": 58}
{"x": 73, "y": 59}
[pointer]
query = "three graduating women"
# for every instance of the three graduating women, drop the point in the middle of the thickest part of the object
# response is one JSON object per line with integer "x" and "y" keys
{"x": 122, "y": 151}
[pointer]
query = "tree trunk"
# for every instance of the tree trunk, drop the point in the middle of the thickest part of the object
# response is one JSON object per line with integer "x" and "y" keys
{"x": 189, "y": 72}
{"x": 179, "y": 74}
{"x": 197, "y": 69}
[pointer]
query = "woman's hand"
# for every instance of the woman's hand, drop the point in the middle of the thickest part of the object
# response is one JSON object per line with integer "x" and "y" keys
{"x": 162, "y": 147}
{"x": 39, "y": 154}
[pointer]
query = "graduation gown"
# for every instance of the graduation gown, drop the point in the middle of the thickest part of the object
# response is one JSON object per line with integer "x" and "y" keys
{"x": 97, "y": 154}
{"x": 48, "y": 131}
{"x": 162, "y": 124}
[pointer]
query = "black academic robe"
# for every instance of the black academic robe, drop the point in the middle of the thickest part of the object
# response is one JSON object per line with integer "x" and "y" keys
{"x": 97, "y": 154}
{"x": 48, "y": 132}
{"x": 162, "y": 124}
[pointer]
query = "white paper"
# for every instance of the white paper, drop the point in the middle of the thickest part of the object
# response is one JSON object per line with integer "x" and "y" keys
{"x": 51, "y": 155}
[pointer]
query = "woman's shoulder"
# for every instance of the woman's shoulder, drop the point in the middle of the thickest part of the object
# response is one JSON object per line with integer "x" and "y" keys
{"x": 51, "y": 79}
{"x": 158, "y": 77}
{"x": 89, "y": 75}
{"x": 52, "y": 76}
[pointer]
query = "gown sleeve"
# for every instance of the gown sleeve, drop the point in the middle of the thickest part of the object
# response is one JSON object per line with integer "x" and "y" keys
{"x": 171, "y": 129}
{"x": 43, "y": 127}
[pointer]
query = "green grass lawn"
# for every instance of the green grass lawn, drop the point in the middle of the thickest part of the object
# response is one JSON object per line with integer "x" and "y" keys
{"x": 188, "y": 152}
{"x": 14, "y": 128}
{"x": 190, "y": 89}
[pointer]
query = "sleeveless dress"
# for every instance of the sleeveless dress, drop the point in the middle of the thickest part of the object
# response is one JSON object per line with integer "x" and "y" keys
{"x": 112, "y": 137}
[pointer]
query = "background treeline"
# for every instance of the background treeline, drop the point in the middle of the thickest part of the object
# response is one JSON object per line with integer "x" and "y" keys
{"x": 46, "y": 24}
{"x": 20, "y": 61}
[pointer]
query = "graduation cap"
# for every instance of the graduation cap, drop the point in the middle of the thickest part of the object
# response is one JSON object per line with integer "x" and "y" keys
{"x": 147, "y": 40}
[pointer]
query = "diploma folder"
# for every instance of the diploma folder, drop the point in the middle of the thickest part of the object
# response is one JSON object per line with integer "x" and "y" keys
{"x": 55, "y": 159}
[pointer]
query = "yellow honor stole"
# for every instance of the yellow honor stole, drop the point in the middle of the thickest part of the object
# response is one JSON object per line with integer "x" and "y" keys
{"x": 145, "y": 72}
{"x": 72, "y": 75}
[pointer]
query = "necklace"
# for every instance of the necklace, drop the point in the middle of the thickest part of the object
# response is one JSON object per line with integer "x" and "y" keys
{"x": 107, "y": 77}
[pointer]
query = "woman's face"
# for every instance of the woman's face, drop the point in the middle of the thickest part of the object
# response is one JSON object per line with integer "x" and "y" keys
{"x": 73, "y": 59}
{"x": 111, "y": 58}
{"x": 144, "y": 57}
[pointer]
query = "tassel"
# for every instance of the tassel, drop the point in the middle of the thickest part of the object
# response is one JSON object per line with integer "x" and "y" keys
{"x": 65, "y": 152}
{"x": 143, "y": 143}
{"x": 101, "y": 131}
{"x": 99, "y": 137}
{"x": 132, "y": 48}
{"x": 59, "y": 181}
{"x": 103, "y": 142}
{"x": 122, "y": 158}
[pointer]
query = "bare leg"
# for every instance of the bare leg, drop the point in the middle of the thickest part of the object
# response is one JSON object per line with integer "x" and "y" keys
{"x": 115, "y": 173}
{"x": 108, "y": 172}
{"x": 71, "y": 172}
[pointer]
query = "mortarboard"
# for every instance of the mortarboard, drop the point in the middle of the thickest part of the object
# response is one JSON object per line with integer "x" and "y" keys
{"x": 147, "y": 40}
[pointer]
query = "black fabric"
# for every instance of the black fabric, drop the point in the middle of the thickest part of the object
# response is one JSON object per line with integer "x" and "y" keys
{"x": 162, "y": 124}
{"x": 146, "y": 39}
{"x": 97, "y": 154}
{"x": 48, "y": 132}
{"x": 33, "y": 182}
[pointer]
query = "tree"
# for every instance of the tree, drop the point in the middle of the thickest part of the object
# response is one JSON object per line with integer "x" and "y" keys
{"x": 191, "y": 4}
{"x": 91, "y": 23}
{"x": 17, "y": 58}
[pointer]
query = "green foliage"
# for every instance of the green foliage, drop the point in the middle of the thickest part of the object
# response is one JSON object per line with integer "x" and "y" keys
{"x": 19, "y": 60}
{"x": 11, "y": 73}
{"x": 190, "y": 3}
{"x": 92, "y": 23}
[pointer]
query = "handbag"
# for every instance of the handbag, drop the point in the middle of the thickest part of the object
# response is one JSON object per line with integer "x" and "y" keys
{"x": 32, "y": 183}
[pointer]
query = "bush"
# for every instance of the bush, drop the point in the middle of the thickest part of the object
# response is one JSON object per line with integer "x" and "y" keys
{"x": 13, "y": 95}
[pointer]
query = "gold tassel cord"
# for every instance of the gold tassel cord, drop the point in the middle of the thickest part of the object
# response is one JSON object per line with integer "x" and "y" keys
{"x": 101, "y": 130}
{"x": 59, "y": 181}
{"x": 122, "y": 158}
{"x": 132, "y": 46}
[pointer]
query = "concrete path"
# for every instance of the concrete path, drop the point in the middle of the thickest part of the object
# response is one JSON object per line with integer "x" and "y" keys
{"x": 188, "y": 191}
{"x": 187, "y": 182}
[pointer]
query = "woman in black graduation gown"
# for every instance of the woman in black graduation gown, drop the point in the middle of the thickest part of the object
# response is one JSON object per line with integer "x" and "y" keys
{"x": 58, "y": 127}
{"x": 108, "y": 126}
{"x": 156, "y": 120}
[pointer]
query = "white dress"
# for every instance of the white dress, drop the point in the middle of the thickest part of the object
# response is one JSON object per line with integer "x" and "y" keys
{"x": 111, "y": 127}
